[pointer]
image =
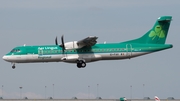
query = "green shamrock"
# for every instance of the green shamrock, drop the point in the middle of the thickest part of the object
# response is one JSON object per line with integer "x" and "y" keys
{"x": 158, "y": 32}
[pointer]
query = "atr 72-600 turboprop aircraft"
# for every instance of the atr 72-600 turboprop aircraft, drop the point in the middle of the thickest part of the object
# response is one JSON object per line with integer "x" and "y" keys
{"x": 87, "y": 50}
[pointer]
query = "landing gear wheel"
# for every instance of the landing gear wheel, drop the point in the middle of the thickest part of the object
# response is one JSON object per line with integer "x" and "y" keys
{"x": 78, "y": 65}
{"x": 13, "y": 67}
{"x": 81, "y": 64}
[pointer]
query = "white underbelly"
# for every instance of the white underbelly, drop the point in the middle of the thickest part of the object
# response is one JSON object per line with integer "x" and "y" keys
{"x": 72, "y": 58}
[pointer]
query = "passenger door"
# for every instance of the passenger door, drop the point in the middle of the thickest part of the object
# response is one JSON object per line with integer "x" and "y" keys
{"x": 128, "y": 50}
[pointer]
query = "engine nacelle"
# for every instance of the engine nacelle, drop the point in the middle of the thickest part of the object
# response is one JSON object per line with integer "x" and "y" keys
{"x": 73, "y": 45}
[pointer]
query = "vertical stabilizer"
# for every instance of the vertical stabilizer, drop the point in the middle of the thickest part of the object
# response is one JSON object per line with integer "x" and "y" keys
{"x": 156, "y": 35}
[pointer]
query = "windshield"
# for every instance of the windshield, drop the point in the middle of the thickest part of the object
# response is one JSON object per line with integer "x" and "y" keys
{"x": 15, "y": 50}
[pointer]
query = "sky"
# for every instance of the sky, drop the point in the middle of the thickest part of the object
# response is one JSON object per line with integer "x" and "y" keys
{"x": 38, "y": 22}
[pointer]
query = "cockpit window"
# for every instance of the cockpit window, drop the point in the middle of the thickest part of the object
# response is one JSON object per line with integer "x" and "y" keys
{"x": 18, "y": 50}
{"x": 15, "y": 50}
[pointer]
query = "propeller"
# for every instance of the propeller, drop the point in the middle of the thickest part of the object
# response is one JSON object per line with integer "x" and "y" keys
{"x": 62, "y": 41}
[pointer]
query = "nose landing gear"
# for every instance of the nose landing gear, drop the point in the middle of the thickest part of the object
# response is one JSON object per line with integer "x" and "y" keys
{"x": 13, "y": 66}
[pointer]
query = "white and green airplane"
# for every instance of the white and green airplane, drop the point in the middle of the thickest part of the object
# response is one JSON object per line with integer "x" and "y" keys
{"x": 88, "y": 50}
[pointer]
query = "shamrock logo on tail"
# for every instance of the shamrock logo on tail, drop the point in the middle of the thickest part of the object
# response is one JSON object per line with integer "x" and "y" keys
{"x": 158, "y": 32}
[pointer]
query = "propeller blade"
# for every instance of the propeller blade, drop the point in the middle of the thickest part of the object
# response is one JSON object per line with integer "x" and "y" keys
{"x": 62, "y": 40}
{"x": 62, "y": 45}
{"x": 56, "y": 41}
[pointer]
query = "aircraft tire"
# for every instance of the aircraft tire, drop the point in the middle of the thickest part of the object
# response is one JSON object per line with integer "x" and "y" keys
{"x": 78, "y": 65}
{"x": 13, "y": 67}
{"x": 83, "y": 64}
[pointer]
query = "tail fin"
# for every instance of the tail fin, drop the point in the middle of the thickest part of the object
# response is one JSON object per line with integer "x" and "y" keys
{"x": 156, "y": 98}
{"x": 158, "y": 34}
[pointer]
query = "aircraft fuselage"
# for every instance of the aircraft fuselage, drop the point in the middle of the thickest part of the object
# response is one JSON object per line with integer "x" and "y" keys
{"x": 54, "y": 53}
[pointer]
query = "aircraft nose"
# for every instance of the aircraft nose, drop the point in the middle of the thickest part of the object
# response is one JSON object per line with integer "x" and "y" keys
{"x": 5, "y": 58}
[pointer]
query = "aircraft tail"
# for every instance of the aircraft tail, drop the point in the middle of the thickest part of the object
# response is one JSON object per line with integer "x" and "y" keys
{"x": 156, "y": 98}
{"x": 158, "y": 34}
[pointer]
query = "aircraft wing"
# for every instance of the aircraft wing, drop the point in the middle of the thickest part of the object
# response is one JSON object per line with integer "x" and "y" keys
{"x": 89, "y": 41}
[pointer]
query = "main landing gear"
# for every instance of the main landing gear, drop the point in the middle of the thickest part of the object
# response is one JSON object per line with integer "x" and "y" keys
{"x": 81, "y": 64}
{"x": 13, "y": 66}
